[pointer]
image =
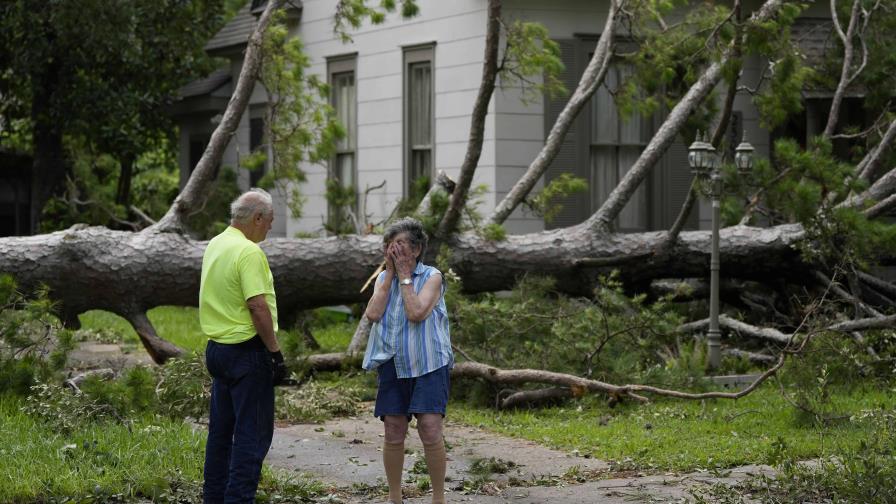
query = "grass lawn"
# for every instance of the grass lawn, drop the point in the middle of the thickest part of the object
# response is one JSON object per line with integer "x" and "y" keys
{"x": 98, "y": 460}
{"x": 180, "y": 325}
{"x": 177, "y": 324}
{"x": 158, "y": 459}
{"x": 685, "y": 435}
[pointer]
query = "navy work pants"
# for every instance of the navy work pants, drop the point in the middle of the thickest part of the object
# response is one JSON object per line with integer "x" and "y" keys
{"x": 241, "y": 420}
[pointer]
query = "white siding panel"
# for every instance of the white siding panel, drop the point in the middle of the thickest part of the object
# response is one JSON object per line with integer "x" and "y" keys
{"x": 379, "y": 88}
{"x": 379, "y": 111}
{"x": 379, "y": 135}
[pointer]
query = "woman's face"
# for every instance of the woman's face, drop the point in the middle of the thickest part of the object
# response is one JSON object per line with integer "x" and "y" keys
{"x": 403, "y": 245}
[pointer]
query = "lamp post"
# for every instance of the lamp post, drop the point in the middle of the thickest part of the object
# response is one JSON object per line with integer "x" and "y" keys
{"x": 704, "y": 164}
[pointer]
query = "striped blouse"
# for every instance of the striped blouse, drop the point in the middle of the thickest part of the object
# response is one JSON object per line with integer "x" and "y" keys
{"x": 418, "y": 347}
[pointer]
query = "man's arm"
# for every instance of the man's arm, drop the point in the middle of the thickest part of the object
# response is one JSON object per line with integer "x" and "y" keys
{"x": 263, "y": 321}
{"x": 418, "y": 306}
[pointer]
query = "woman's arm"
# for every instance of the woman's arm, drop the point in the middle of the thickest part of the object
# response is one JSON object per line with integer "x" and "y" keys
{"x": 377, "y": 304}
{"x": 418, "y": 307}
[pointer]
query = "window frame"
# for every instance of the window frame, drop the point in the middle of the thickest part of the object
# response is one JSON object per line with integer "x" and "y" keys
{"x": 411, "y": 55}
{"x": 338, "y": 66}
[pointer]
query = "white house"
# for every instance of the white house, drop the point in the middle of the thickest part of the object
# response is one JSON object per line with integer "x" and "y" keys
{"x": 405, "y": 91}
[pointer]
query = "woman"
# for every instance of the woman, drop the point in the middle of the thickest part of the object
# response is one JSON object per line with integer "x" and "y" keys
{"x": 410, "y": 348}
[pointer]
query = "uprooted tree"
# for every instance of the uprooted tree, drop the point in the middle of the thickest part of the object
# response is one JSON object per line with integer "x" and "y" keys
{"x": 820, "y": 215}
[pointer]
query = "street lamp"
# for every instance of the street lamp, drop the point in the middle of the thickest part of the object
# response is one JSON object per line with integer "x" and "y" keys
{"x": 705, "y": 165}
{"x": 743, "y": 156}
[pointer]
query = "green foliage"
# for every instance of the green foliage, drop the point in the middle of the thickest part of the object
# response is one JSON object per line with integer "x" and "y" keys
{"x": 353, "y": 13}
{"x": 545, "y": 204}
{"x": 667, "y": 62}
{"x": 33, "y": 346}
{"x": 301, "y": 124}
{"x": 96, "y": 75}
{"x": 214, "y": 216}
{"x": 863, "y": 472}
{"x": 783, "y": 96}
{"x": 182, "y": 388}
{"x": 612, "y": 337}
{"x": 494, "y": 232}
{"x": 315, "y": 402}
{"x": 529, "y": 52}
{"x": 806, "y": 186}
{"x": 342, "y": 200}
{"x": 90, "y": 193}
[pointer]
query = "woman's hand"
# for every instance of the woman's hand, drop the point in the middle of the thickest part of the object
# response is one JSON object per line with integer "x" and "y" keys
{"x": 404, "y": 261}
{"x": 387, "y": 258}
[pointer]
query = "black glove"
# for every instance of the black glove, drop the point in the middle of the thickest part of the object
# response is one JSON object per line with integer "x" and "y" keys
{"x": 279, "y": 371}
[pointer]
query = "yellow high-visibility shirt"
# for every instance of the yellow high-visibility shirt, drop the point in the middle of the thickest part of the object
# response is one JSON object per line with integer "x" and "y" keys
{"x": 234, "y": 269}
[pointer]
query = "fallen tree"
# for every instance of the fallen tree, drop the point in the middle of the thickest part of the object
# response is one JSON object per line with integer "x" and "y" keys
{"x": 129, "y": 273}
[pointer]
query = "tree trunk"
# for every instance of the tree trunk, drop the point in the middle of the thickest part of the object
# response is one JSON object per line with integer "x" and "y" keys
{"x": 477, "y": 122}
{"x": 123, "y": 193}
{"x": 49, "y": 168}
{"x": 128, "y": 273}
{"x": 591, "y": 79}
{"x": 203, "y": 175}
{"x": 622, "y": 193}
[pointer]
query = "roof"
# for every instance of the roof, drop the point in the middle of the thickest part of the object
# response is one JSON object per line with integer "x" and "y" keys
{"x": 206, "y": 85}
{"x": 236, "y": 32}
{"x": 814, "y": 38}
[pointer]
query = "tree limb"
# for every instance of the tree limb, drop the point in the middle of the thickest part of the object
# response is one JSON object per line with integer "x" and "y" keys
{"x": 871, "y": 162}
{"x": 848, "y": 55}
{"x": 743, "y": 328}
{"x": 202, "y": 177}
{"x": 601, "y": 221}
{"x": 477, "y": 122}
{"x": 588, "y": 84}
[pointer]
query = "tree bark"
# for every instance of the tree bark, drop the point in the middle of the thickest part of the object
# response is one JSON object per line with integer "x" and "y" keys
{"x": 477, "y": 122}
{"x": 194, "y": 193}
{"x": 872, "y": 161}
{"x": 591, "y": 79}
{"x": 128, "y": 273}
{"x": 848, "y": 55}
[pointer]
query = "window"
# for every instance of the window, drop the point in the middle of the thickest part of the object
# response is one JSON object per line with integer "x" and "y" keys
{"x": 601, "y": 146}
{"x": 418, "y": 133}
{"x": 616, "y": 143}
{"x": 343, "y": 169}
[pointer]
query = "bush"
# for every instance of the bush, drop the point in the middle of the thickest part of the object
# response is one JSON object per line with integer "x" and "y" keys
{"x": 610, "y": 337}
{"x": 184, "y": 387}
{"x": 315, "y": 402}
{"x": 33, "y": 345}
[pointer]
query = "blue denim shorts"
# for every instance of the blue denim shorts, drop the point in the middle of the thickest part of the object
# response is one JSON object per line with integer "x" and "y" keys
{"x": 411, "y": 396}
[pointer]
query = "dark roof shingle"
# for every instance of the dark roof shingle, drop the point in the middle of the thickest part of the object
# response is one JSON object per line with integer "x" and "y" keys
{"x": 236, "y": 32}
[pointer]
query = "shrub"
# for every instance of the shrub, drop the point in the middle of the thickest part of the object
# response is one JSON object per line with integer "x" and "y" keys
{"x": 33, "y": 345}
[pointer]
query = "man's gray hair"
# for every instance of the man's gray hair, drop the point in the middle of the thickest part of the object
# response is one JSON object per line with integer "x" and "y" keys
{"x": 251, "y": 202}
{"x": 413, "y": 228}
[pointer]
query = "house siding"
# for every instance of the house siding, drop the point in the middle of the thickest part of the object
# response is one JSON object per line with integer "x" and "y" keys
{"x": 515, "y": 129}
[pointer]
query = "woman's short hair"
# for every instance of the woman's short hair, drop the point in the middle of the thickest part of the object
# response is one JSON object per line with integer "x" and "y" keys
{"x": 248, "y": 204}
{"x": 414, "y": 230}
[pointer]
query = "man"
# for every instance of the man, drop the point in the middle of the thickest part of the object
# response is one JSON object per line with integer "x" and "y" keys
{"x": 238, "y": 313}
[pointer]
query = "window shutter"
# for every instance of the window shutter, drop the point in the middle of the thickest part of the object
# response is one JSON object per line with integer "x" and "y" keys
{"x": 570, "y": 159}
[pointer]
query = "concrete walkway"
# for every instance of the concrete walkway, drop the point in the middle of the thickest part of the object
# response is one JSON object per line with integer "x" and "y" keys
{"x": 346, "y": 453}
